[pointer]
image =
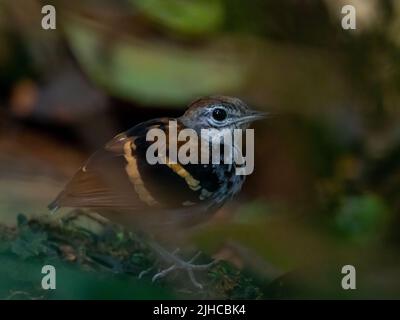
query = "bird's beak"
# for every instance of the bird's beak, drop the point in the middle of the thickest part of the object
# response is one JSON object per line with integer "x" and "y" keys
{"x": 253, "y": 116}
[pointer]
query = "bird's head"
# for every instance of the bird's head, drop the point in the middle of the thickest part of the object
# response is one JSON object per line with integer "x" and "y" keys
{"x": 219, "y": 112}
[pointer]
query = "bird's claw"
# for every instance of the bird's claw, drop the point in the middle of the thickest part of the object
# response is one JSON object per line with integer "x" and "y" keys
{"x": 188, "y": 266}
{"x": 144, "y": 272}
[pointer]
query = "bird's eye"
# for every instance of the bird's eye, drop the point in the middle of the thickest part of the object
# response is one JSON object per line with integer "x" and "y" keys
{"x": 219, "y": 114}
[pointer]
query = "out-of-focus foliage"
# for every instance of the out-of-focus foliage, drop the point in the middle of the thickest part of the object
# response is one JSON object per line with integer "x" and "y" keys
{"x": 154, "y": 72}
{"x": 325, "y": 190}
{"x": 186, "y": 17}
{"x": 361, "y": 217}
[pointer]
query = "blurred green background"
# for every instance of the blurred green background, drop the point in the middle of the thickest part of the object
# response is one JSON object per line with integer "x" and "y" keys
{"x": 326, "y": 186}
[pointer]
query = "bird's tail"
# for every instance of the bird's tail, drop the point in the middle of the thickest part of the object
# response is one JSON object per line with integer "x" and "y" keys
{"x": 55, "y": 204}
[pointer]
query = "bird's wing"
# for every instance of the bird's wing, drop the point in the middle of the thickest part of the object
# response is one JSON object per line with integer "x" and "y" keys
{"x": 102, "y": 183}
{"x": 119, "y": 176}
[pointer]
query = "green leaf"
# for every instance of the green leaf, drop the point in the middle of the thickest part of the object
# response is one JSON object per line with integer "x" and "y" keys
{"x": 184, "y": 16}
{"x": 155, "y": 73}
{"x": 22, "y": 280}
{"x": 361, "y": 217}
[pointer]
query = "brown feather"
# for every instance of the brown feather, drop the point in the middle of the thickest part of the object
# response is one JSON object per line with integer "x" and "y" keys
{"x": 101, "y": 182}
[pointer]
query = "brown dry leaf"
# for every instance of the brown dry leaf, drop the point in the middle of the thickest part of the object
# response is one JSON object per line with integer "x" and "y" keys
{"x": 68, "y": 252}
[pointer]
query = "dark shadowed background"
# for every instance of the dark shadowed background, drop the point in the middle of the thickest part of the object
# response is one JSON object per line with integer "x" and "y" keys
{"x": 325, "y": 190}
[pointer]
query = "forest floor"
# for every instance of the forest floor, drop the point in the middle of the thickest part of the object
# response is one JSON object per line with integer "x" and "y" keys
{"x": 105, "y": 265}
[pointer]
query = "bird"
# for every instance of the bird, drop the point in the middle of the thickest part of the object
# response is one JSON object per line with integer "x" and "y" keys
{"x": 120, "y": 184}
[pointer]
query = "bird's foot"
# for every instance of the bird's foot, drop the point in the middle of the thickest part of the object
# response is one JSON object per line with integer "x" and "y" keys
{"x": 148, "y": 270}
{"x": 188, "y": 266}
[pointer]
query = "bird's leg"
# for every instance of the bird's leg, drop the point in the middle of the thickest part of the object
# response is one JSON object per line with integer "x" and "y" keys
{"x": 178, "y": 263}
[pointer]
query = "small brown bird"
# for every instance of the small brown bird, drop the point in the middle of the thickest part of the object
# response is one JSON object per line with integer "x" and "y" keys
{"x": 119, "y": 183}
